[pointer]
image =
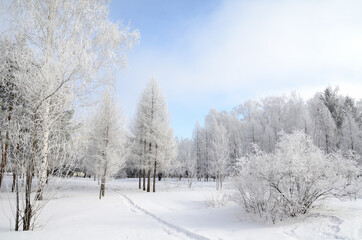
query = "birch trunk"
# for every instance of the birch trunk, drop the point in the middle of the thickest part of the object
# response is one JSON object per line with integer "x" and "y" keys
{"x": 43, "y": 172}
{"x": 28, "y": 212}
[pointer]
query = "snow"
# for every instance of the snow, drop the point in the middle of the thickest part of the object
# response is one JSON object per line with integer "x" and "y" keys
{"x": 174, "y": 212}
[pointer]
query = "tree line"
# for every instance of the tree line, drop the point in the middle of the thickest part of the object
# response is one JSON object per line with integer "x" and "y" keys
{"x": 331, "y": 120}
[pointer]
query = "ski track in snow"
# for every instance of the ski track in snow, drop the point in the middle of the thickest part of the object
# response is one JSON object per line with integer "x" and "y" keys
{"x": 168, "y": 227}
{"x": 334, "y": 225}
{"x": 330, "y": 229}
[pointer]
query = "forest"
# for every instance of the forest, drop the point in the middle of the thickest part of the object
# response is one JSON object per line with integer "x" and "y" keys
{"x": 273, "y": 160}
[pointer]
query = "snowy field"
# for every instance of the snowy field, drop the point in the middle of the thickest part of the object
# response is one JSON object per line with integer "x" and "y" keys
{"x": 174, "y": 212}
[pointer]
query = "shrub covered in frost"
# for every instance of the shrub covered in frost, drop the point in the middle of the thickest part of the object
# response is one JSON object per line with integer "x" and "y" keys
{"x": 218, "y": 199}
{"x": 290, "y": 180}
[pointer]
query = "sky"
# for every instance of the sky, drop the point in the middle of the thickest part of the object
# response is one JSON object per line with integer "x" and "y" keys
{"x": 217, "y": 54}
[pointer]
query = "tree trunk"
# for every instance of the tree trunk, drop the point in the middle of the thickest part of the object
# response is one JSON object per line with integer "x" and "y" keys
{"x": 220, "y": 182}
{"x": 43, "y": 174}
{"x": 154, "y": 177}
{"x": 148, "y": 180}
{"x": 217, "y": 182}
{"x": 144, "y": 179}
{"x": 142, "y": 154}
{"x": 5, "y": 153}
{"x": 48, "y": 173}
{"x": 28, "y": 213}
{"x": 149, "y": 170}
{"x": 2, "y": 167}
{"x": 14, "y": 182}
{"x": 155, "y": 170}
{"x": 144, "y": 162}
{"x": 4, "y": 156}
{"x": 102, "y": 188}
{"x": 103, "y": 178}
{"x": 17, "y": 216}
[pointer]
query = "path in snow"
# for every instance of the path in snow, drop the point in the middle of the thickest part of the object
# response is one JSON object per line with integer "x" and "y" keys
{"x": 168, "y": 227}
{"x": 322, "y": 226}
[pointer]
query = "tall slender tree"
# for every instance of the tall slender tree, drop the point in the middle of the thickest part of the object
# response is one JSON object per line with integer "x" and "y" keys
{"x": 153, "y": 134}
{"x": 107, "y": 137}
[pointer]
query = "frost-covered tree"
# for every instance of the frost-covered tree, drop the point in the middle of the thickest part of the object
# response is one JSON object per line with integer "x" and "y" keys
{"x": 106, "y": 140}
{"x": 219, "y": 152}
{"x": 274, "y": 115}
{"x": 198, "y": 140}
{"x": 332, "y": 101}
{"x": 153, "y": 136}
{"x": 187, "y": 159}
{"x": 350, "y": 131}
{"x": 76, "y": 48}
{"x": 22, "y": 138}
{"x": 290, "y": 180}
{"x": 324, "y": 130}
{"x": 14, "y": 60}
{"x": 252, "y": 129}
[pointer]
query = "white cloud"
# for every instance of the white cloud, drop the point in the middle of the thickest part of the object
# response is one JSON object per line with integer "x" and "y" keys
{"x": 252, "y": 49}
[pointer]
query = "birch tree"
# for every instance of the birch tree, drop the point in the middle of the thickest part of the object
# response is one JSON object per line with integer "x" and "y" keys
{"x": 76, "y": 47}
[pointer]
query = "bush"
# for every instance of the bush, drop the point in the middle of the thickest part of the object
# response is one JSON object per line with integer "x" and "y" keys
{"x": 290, "y": 180}
{"x": 218, "y": 199}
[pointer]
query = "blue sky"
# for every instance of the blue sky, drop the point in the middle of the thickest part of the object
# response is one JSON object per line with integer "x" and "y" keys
{"x": 217, "y": 54}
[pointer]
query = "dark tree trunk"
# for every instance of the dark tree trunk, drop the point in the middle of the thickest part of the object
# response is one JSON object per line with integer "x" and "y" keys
{"x": 154, "y": 177}
{"x": 144, "y": 179}
{"x": 2, "y": 168}
{"x": 102, "y": 188}
{"x": 148, "y": 180}
{"x": 149, "y": 170}
{"x": 5, "y": 153}
{"x": 144, "y": 171}
{"x": 3, "y": 158}
{"x": 39, "y": 195}
{"x": 17, "y": 216}
{"x": 14, "y": 182}
{"x": 103, "y": 182}
{"x": 139, "y": 179}
{"x": 28, "y": 214}
{"x": 48, "y": 173}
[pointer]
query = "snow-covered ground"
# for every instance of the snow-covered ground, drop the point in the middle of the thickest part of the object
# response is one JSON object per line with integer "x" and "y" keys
{"x": 174, "y": 212}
